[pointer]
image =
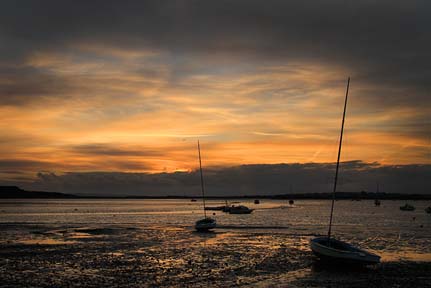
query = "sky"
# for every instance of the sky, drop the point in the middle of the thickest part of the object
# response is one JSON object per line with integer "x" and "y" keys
{"x": 124, "y": 89}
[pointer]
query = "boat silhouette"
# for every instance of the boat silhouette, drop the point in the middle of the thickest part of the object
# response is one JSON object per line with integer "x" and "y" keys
{"x": 329, "y": 249}
{"x": 208, "y": 223}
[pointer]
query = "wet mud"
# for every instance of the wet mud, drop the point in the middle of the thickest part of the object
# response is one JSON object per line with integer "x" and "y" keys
{"x": 136, "y": 256}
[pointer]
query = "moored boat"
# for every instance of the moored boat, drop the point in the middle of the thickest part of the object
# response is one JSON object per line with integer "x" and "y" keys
{"x": 205, "y": 224}
{"x": 407, "y": 207}
{"x": 377, "y": 202}
{"x": 215, "y": 208}
{"x": 208, "y": 223}
{"x": 240, "y": 209}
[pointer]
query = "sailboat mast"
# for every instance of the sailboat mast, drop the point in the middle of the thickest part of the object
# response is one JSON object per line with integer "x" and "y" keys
{"x": 338, "y": 160}
{"x": 202, "y": 179}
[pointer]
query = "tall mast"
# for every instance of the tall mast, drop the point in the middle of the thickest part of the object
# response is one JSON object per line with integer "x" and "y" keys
{"x": 338, "y": 160}
{"x": 202, "y": 179}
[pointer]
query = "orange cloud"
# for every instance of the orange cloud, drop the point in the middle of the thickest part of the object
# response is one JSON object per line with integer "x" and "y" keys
{"x": 131, "y": 101}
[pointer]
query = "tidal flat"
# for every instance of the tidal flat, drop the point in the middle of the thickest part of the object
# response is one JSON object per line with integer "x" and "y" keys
{"x": 72, "y": 244}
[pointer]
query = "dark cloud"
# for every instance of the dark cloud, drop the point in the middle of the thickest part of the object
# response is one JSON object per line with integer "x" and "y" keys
{"x": 111, "y": 161}
{"x": 380, "y": 41}
{"x": 12, "y": 164}
{"x": 23, "y": 85}
{"x": 245, "y": 180}
{"x": 111, "y": 150}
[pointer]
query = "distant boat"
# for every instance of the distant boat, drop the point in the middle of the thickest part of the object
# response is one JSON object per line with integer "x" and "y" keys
{"x": 407, "y": 207}
{"x": 240, "y": 209}
{"x": 193, "y": 200}
{"x": 377, "y": 201}
{"x": 332, "y": 250}
{"x": 208, "y": 223}
{"x": 428, "y": 209}
{"x": 224, "y": 208}
{"x": 291, "y": 202}
{"x": 256, "y": 201}
{"x": 215, "y": 208}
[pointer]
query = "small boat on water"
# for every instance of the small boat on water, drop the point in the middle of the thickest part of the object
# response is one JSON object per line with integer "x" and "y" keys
{"x": 291, "y": 202}
{"x": 193, "y": 200}
{"x": 226, "y": 209}
{"x": 257, "y": 201}
{"x": 205, "y": 224}
{"x": 407, "y": 207}
{"x": 377, "y": 201}
{"x": 428, "y": 209}
{"x": 240, "y": 209}
{"x": 208, "y": 223}
{"x": 215, "y": 208}
{"x": 334, "y": 251}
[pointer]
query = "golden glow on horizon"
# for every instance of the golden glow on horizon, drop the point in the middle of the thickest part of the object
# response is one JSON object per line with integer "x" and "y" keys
{"x": 132, "y": 111}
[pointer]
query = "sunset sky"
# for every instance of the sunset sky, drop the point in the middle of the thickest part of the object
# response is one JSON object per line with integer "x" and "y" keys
{"x": 130, "y": 86}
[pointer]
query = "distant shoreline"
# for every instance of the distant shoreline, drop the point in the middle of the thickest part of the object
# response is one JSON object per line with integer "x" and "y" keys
{"x": 14, "y": 192}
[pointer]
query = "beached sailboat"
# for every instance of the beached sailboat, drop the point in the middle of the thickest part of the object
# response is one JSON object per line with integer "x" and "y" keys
{"x": 336, "y": 251}
{"x": 208, "y": 223}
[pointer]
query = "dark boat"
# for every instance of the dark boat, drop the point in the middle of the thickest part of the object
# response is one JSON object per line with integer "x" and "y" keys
{"x": 240, "y": 209}
{"x": 256, "y": 201}
{"x": 193, "y": 200}
{"x": 332, "y": 250}
{"x": 226, "y": 209}
{"x": 377, "y": 201}
{"x": 215, "y": 208}
{"x": 407, "y": 207}
{"x": 208, "y": 223}
{"x": 291, "y": 202}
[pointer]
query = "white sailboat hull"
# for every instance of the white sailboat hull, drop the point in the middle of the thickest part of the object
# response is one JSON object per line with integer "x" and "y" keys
{"x": 336, "y": 251}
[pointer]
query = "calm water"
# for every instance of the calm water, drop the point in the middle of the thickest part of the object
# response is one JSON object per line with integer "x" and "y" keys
{"x": 357, "y": 218}
{"x": 152, "y": 243}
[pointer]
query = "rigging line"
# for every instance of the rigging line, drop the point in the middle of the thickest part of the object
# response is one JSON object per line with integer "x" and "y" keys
{"x": 338, "y": 160}
{"x": 202, "y": 179}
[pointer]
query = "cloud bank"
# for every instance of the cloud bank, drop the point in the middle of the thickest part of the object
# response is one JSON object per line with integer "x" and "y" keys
{"x": 259, "y": 179}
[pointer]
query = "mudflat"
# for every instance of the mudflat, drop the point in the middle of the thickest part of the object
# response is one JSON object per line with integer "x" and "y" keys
{"x": 133, "y": 256}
